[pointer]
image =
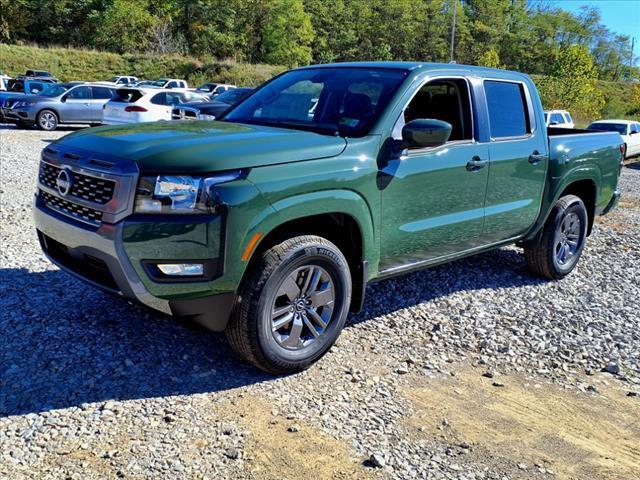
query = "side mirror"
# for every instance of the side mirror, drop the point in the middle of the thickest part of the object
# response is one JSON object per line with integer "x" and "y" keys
{"x": 63, "y": 98}
{"x": 426, "y": 132}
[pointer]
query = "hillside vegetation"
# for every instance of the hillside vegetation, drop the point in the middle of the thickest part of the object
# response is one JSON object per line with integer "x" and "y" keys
{"x": 74, "y": 64}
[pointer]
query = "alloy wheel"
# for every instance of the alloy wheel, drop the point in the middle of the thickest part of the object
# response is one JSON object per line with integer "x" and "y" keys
{"x": 303, "y": 307}
{"x": 567, "y": 240}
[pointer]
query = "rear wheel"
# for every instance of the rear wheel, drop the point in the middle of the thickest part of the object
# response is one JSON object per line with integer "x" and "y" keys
{"x": 292, "y": 306}
{"x": 560, "y": 246}
{"x": 47, "y": 120}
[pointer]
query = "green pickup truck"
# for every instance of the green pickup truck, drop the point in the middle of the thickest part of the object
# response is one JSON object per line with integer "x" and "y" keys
{"x": 269, "y": 223}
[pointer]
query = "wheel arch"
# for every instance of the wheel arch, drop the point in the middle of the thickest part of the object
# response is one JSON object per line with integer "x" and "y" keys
{"x": 340, "y": 216}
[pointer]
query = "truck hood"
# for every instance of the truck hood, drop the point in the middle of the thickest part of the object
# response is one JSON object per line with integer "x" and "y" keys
{"x": 203, "y": 146}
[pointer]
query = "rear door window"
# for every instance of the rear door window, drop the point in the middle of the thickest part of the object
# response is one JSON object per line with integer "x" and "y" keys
{"x": 508, "y": 112}
{"x": 101, "y": 93}
{"x": 557, "y": 119}
{"x": 79, "y": 93}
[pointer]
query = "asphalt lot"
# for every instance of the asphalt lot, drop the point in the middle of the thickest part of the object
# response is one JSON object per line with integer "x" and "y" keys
{"x": 473, "y": 370}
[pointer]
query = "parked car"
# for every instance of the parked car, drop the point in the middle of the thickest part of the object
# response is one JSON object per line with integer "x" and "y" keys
{"x": 39, "y": 75}
{"x": 4, "y": 80}
{"x": 133, "y": 105}
{"x": 558, "y": 118}
{"x": 121, "y": 80}
{"x": 169, "y": 83}
{"x": 18, "y": 87}
{"x": 629, "y": 130}
{"x": 214, "y": 89}
{"x": 142, "y": 83}
{"x": 269, "y": 224}
{"x": 79, "y": 104}
{"x": 211, "y": 110}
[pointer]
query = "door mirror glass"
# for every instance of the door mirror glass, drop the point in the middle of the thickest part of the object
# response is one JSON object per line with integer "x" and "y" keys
{"x": 426, "y": 132}
{"x": 63, "y": 98}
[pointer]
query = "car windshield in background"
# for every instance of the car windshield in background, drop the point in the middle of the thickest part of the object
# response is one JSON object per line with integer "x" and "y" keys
{"x": 232, "y": 96}
{"x": 344, "y": 101}
{"x": 52, "y": 90}
{"x": 207, "y": 87}
{"x": 114, "y": 79}
{"x": 158, "y": 83}
{"x": 621, "y": 128}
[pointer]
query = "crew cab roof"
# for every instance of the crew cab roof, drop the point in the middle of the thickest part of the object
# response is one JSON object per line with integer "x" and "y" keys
{"x": 471, "y": 70}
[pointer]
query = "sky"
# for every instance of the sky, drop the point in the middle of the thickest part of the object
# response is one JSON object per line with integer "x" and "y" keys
{"x": 620, "y": 16}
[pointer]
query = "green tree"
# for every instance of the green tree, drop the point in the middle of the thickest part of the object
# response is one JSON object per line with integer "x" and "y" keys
{"x": 126, "y": 26}
{"x": 573, "y": 84}
{"x": 490, "y": 58}
{"x": 288, "y": 34}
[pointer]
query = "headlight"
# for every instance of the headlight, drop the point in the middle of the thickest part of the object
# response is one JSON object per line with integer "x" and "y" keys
{"x": 180, "y": 194}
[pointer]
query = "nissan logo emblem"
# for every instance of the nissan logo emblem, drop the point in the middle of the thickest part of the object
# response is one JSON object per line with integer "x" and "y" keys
{"x": 64, "y": 182}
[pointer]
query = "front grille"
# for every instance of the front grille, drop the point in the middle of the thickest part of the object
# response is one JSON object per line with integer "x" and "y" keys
{"x": 184, "y": 114}
{"x": 73, "y": 210}
{"x": 86, "y": 187}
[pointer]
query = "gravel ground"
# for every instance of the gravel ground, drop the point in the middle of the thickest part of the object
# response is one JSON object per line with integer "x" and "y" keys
{"x": 91, "y": 387}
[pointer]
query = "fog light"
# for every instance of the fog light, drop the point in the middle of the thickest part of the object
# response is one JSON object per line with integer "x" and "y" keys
{"x": 182, "y": 269}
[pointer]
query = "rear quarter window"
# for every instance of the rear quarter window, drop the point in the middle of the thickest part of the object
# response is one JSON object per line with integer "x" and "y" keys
{"x": 507, "y": 105}
{"x": 127, "y": 95}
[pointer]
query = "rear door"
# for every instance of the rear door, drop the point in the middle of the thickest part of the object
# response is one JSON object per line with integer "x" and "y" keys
{"x": 519, "y": 157}
{"x": 99, "y": 96}
{"x": 77, "y": 105}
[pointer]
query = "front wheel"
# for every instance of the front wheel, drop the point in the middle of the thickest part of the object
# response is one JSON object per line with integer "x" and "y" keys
{"x": 560, "y": 246}
{"x": 47, "y": 120}
{"x": 292, "y": 306}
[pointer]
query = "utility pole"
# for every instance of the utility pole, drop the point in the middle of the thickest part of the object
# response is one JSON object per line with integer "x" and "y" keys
{"x": 453, "y": 30}
{"x": 633, "y": 42}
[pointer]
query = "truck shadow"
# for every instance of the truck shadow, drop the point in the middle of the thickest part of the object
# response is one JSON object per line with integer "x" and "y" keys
{"x": 64, "y": 344}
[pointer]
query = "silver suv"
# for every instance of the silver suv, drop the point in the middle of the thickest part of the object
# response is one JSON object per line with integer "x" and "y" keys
{"x": 56, "y": 105}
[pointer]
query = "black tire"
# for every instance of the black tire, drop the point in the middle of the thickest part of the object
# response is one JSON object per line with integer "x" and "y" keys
{"x": 250, "y": 330}
{"x": 47, "y": 120}
{"x": 544, "y": 256}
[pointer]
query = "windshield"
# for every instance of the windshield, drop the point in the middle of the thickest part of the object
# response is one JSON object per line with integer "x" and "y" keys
{"x": 344, "y": 101}
{"x": 158, "y": 83}
{"x": 206, "y": 87}
{"x": 52, "y": 90}
{"x": 232, "y": 96}
{"x": 621, "y": 128}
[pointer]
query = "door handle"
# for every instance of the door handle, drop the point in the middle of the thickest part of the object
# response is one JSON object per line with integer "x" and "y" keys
{"x": 535, "y": 158}
{"x": 476, "y": 163}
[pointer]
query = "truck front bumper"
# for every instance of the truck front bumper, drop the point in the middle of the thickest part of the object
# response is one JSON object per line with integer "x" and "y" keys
{"x": 100, "y": 258}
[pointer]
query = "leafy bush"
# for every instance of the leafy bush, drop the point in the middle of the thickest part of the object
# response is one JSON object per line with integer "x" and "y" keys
{"x": 90, "y": 65}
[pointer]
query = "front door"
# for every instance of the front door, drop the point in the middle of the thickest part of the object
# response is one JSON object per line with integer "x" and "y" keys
{"x": 77, "y": 105}
{"x": 433, "y": 198}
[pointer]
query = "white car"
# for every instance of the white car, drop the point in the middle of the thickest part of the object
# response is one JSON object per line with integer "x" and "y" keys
{"x": 120, "y": 80}
{"x": 629, "y": 130}
{"x": 134, "y": 105}
{"x": 169, "y": 83}
{"x": 214, "y": 89}
{"x": 558, "y": 118}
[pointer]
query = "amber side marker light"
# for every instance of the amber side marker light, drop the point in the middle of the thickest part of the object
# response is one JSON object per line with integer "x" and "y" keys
{"x": 252, "y": 244}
